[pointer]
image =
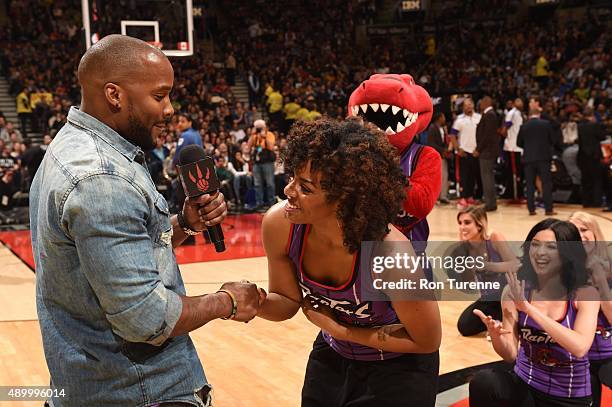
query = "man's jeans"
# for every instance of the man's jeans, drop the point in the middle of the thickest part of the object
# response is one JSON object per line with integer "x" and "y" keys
{"x": 264, "y": 173}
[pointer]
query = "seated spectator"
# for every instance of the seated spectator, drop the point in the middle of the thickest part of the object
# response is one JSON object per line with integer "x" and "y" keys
{"x": 225, "y": 174}
{"x": 7, "y": 189}
{"x": 280, "y": 178}
{"x": 155, "y": 159}
{"x": 7, "y": 161}
{"x": 6, "y": 133}
{"x": 31, "y": 159}
{"x": 56, "y": 122}
{"x": 243, "y": 179}
{"x": 2, "y": 127}
{"x": 237, "y": 133}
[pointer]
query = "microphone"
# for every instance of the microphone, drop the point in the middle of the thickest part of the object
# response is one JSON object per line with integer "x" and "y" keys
{"x": 198, "y": 176}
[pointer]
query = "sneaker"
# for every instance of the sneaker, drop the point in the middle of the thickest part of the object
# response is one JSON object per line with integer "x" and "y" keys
{"x": 471, "y": 201}
{"x": 462, "y": 204}
{"x": 444, "y": 201}
{"x": 488, "y": 337}
{"x": 532, "y": 213}
{"x": 551, "y": 213}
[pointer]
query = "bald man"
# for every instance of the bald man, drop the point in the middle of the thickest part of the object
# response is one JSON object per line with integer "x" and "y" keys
{"x": 111, "y": 301}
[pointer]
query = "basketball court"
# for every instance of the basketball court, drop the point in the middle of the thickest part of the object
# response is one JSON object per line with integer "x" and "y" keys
{"x": 257, "y": 364}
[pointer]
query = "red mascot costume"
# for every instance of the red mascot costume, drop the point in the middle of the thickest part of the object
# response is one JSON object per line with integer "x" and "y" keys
{"x": 402, "y": 110}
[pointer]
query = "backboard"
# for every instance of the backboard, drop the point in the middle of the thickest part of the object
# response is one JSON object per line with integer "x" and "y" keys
{"x": 166, "y": 24}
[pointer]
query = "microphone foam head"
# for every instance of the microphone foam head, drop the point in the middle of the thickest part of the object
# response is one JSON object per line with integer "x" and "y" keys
{"x": 191, "y": 154}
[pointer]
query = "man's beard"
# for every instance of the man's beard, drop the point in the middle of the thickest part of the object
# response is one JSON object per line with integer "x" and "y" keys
{"x": 139, "y": 134}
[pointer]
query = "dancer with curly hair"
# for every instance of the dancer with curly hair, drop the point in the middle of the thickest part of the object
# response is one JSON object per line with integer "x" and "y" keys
{"x": 347, "y": 188}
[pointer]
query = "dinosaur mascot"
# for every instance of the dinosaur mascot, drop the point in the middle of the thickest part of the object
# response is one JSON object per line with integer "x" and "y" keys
{"x": 402, "y": 110}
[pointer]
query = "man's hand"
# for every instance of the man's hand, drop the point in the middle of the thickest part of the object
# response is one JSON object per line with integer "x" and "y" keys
{"x": 461, "y": 153}
{"x": 476, "y": 153}
{"x": 248, "y": 297}
{"x": 204, "y": 211}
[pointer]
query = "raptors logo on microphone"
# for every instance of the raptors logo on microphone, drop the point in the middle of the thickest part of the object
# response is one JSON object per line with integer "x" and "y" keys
{"x": 201, "y": 182}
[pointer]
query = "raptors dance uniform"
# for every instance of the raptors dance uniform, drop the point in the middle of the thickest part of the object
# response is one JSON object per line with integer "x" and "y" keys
{"x": 544, "y": 375}
{"x": 337, "y": 369}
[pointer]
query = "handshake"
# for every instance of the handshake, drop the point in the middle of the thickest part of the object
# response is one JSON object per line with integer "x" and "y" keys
{"x": 246, "y": 299}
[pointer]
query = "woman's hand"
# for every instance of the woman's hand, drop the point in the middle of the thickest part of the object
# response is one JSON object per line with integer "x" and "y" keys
{"x": 517, "y": 292}
{"x": 385, "y": 331}
{"x": 494, "y": 327}
{"x": 324, "y": 318}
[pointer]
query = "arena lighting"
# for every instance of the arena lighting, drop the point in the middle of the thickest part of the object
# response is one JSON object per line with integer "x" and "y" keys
{"x": 411, "y": 5}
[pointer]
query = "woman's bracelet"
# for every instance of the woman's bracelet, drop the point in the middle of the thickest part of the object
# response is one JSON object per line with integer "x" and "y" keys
{"x": 234, "y": 304}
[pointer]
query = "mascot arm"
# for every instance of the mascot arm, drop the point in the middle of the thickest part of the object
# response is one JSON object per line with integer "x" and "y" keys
{"x": 424, "y": 184}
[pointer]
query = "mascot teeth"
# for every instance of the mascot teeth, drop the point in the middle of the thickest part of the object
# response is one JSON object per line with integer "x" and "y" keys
{"x": 399, "y": 125}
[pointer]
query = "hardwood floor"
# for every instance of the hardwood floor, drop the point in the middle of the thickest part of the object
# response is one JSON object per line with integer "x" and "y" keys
{"x": 256, "y": 364}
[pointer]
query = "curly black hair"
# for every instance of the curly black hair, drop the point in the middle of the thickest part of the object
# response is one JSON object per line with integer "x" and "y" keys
{"x": 359, "y": 169}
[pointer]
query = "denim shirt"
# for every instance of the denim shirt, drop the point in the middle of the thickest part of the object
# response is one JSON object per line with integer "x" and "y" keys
{"x": 107, "y": 281}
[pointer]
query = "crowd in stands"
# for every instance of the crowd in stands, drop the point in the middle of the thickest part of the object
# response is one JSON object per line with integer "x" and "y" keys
{"x": 300, "y": 61}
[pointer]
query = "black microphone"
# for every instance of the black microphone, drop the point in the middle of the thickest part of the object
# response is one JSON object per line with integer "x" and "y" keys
{"x": 198, "y": 176}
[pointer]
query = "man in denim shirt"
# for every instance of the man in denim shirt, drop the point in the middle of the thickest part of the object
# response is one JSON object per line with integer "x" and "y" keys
{"x": 111, "y": 301}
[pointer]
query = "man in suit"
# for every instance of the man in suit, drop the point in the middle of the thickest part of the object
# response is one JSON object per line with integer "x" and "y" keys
{"x": 487, "y": 150}
{"x": 590, "y": 136}
{"x": 537, "y": 138}
{"x": 436, "y": 138}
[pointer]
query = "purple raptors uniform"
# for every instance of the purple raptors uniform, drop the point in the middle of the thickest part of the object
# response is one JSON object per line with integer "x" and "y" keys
{"x": 602, "y": 344}
{"x": 344, "y": 301}
{"x": 545, "y": 365}
{"x": 414, "y": 229}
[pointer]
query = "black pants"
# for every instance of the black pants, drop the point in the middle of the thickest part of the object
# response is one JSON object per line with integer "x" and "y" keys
{"x": 470, "y": 176}
{"x": 513, "y": 170}
{"x": 601, "y": 373}
{"x": 469, "y": 324}
{"x": 335, "y": 381}
{"x": 593, "y": 173}
{"x": 487, "y": 177}
{"x": 503, "y": 388}
{"x": 541, "y": 168}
